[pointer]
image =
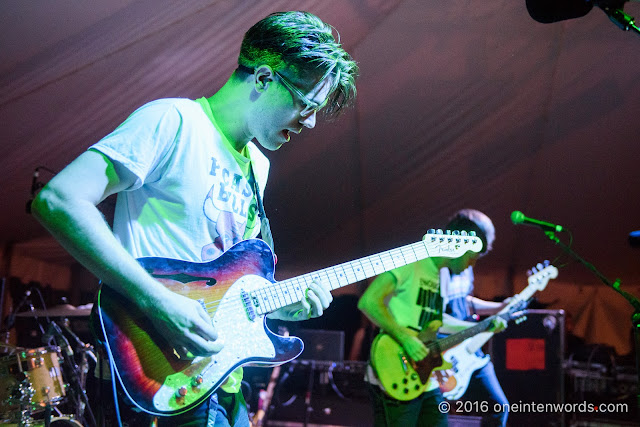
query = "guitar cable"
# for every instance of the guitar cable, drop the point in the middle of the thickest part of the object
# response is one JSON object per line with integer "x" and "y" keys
{"x": 114, "y": 390}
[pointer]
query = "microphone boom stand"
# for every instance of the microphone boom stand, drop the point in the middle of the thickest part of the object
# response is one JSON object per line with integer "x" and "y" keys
{"x": 634, "y": 301}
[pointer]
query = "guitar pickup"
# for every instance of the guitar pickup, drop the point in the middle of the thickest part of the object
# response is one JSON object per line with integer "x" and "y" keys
{"x": 405, "y": 362}
{"x": 248, "y": 302}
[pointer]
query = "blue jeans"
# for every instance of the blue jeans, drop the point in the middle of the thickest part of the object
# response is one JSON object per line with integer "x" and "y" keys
{"x": 485, "y": 387}
{"x": 422, "y": 411}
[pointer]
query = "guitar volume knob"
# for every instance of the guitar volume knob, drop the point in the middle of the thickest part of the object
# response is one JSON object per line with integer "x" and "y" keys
{"x": 181, "y": 392}
{"x": 197, "y": 380}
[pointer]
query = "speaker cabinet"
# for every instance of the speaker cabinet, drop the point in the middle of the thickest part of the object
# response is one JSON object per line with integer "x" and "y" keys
{"x": 321, "y": 344}
{"x": 528, "y": 359}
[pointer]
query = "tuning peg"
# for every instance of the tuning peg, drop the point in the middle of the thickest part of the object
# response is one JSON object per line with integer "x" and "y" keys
{"x": 540, "y": 266}
{"x": 431, "y": 231}
{"x": 547, "y": 263}
{"x": 529, "y": 273}
{"x": 439, "y": 231}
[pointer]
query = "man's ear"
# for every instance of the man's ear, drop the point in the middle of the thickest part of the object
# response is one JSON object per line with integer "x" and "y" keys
{"x": 263, "y": 76}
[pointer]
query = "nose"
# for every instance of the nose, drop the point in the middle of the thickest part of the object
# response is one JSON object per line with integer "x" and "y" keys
{"x": 308, "y": 121}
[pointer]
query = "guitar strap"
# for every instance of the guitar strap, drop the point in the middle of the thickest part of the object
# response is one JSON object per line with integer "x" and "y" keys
{"x": 265, "y": 229}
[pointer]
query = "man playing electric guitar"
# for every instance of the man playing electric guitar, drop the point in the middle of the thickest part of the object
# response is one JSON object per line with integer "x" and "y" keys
{"x": 405, "y": 303}
{"x": 190, "y": 181}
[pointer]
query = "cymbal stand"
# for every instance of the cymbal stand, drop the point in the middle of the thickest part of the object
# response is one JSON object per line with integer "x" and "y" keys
{"x": 76, "y": 374}
{"x": 85, "y": 349}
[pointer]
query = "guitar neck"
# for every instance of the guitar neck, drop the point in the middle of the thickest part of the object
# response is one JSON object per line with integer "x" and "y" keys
{"x": 482, "y": 338}
{"x": 537, "y": 282}
{"x": 452, "y": 340}
{"x": 292, "y": 290}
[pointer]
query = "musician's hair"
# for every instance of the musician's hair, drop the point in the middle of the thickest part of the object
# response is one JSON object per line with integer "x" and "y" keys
{"x": 474, "y": 220}
{"x": 302, "y": 42}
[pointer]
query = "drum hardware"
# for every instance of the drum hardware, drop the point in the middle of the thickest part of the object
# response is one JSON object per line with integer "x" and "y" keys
{"x": 30, "y": 382}
{"x": 75, "y": 373}
{"x": 38, "y": 384}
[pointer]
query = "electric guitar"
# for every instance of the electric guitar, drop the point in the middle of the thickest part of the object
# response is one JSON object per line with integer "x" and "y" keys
{"x": 464, "y": 362}
{"x": 405, "y": 379}
{"x": 238, "y": 290}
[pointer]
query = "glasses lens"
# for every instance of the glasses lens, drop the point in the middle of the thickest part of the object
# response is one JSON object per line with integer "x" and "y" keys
{"x": 309, "y": 106}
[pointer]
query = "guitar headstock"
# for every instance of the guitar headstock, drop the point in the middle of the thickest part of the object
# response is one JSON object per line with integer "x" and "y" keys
{"x": 451, "y": 244}
{"x": 516, "y": 312}
{"x": 540, "y": 275}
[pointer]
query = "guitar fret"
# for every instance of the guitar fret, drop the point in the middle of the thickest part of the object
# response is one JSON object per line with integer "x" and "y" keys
{"x": 333, "y": 279}
{"x": 292, "y": 290}
{"x": 286, "y": 291}
{"x": 359, "y": 270}
{"x": 265, "y": 301}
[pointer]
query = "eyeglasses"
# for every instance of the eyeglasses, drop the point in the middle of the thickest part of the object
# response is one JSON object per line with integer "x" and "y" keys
{"x": 309, "y": 105}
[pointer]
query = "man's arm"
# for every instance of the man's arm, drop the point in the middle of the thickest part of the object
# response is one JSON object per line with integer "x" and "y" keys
{"x": 451, "y": 325}
{"x": 66, "y": 207}
{"x": 485, "y": 308}
{"x": 372, "y": 305}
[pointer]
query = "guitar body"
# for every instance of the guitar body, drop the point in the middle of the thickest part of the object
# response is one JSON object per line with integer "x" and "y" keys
{"x": 151, "y": 373}
{"x": 463, "y": 359}
{"x": 455, "y": 380}
{"x": 402, "y": 378}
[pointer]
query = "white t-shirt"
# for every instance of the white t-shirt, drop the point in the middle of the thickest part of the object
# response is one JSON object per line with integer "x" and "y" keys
{"x": 192, "y": 199}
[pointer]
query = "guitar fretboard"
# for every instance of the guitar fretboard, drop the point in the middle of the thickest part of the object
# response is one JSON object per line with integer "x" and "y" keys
{"x": 446, "y": 343}
{"x": 278, "y": 295}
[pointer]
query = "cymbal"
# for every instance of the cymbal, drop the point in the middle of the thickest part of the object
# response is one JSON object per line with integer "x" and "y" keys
{"x": 63, "y": 310}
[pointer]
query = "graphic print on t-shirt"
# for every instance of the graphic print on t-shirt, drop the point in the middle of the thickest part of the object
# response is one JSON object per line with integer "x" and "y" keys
{"x": 230, "y": 205}
{"x": 429, "y": 301}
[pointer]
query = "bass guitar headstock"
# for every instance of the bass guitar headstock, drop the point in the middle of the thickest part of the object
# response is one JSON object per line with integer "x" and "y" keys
{"x": 540, "y": 275}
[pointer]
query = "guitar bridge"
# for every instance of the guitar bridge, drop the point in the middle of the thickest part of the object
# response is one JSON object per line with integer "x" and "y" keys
{"x": 248, "y": 305}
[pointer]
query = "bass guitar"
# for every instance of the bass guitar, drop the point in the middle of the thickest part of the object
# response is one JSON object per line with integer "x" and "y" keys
{"x": 405, "y": 379}
{"x": 463, "y": 359}
{"x": 238, "y": 290}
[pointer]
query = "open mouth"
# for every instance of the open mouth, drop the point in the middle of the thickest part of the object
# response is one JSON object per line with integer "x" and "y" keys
{"x": 286, "y": 135}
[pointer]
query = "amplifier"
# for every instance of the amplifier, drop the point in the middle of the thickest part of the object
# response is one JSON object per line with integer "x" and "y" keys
{"x": 320, "y": 344}
{"x": 528, "y": 359}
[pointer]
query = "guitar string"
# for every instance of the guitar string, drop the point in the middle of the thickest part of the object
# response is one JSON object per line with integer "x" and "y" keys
{"x": 334, "y": 271}
{"x": 278, "y": 297}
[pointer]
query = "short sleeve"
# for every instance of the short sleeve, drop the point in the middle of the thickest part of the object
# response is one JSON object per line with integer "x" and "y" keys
{"x": 144, "y": 140}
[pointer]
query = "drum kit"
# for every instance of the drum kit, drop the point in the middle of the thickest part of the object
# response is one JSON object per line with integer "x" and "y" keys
{"x": 46, "y": 385}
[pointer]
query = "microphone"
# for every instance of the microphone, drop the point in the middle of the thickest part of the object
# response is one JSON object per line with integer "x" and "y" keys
{"x": 518, "y": 217}
{"x": 548, "y": 11}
